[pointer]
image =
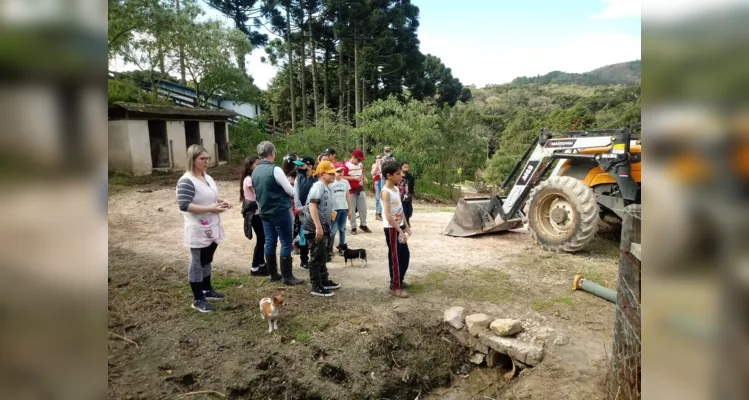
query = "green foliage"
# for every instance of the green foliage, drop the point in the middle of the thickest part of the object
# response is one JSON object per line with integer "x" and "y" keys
{"x": 627, "y": 73}
{"x": 526, "y": 108}
{"x": 123, "y": 90}
{"x": 245, "y": 136}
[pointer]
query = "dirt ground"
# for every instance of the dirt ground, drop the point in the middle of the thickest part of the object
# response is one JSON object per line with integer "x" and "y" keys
{"x": 360, "y": 343}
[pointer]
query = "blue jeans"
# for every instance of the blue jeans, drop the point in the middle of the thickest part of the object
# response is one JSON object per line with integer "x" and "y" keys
{"x": 378, "y": 189}
{"x": 339, "y": 225}
{"x": 275, "y": 229}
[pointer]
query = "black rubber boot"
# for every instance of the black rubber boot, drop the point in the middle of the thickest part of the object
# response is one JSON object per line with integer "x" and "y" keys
{"x": 270, "y": 262}
{"x": 288, "y": 277}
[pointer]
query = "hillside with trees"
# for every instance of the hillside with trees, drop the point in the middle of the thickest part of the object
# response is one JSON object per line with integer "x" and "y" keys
{"x": 626, "y": 73}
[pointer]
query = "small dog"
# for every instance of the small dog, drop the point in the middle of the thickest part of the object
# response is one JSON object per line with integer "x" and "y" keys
{"x": 353, "y": 254}
{"x": 270, "y": 310}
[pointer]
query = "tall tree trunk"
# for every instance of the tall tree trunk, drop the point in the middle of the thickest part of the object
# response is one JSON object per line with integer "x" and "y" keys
{"x": 340, "y": 81}
{"x": 363, "y": 93}
{"x": 357, "y": 94}
{"x": 183, "y": 79}
{"x": 315, "y": 98}
{"x": 291, "y": 68}
{"x": 325, "y": 78}
{"x": 301, "y": 75}
{"x": 348, "y": 93}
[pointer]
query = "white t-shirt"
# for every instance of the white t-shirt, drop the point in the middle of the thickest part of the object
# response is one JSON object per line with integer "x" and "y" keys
{"x": 339, "y": 189}
{"x": 396, "y": 207}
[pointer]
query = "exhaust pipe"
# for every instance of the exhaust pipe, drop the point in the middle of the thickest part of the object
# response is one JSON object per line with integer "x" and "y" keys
{"x": 603, "y": 292}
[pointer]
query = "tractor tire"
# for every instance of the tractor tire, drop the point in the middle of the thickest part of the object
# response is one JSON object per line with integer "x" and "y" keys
{"x": 562, "y": 214}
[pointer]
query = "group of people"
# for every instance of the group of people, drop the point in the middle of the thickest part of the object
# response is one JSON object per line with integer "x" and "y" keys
{"x": 304, "y": 205}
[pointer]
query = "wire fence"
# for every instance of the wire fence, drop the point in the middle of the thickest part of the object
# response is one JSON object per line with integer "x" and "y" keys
{"x": 624, "y": 381}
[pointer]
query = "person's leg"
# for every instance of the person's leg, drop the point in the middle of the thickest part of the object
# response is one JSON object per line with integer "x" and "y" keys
{"x": 195, "y": 274}
{"x": 334, "y": 226}
{"x": 404, "y": 258}
{"x": 341, "y": 217}
{"x": 361, "y": 206}
{"x": 391, "y": 238}
{"x": 206, "y": 258}
{"x": 378, "y": 190}
{"x": 319, "y": 252}
{"x": 284, "y": 228}
{"x": 271, "y": 239}
{"x": 352, "y": 213}
{"x": 258, "y": 261}
{"x": 408, "y": 210}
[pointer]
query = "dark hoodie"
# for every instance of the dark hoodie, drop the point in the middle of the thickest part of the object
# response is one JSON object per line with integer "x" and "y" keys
{"x": 407, "y": 186}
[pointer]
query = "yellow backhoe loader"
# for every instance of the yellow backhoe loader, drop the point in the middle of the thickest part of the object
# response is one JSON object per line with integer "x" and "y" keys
{"x": 594, "y": 175}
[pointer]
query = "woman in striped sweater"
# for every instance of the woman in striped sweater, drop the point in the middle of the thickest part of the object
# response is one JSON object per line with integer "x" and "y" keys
{"x": 197, "y": 196}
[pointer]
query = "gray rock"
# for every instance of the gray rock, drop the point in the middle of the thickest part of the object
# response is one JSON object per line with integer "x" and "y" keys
{"x": 524, "y": 352}
{"x": 477, "y": 323}
{"x": 454, "y": 317}
{"x": 480, "y": 347}
{"x": 561, "y": 340}
{"x": 506, "y": 327}
{"x": 477, "y": 358}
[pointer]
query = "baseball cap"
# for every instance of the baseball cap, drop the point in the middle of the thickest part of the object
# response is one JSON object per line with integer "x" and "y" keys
{"x": 338, "y": 165}
{"x": 388, "y": 148}
{"x": 358, "y": 154}
{"x": 307, "y": 160}
{"x": 325, "y": 167}
{"x": 330, "y": 150}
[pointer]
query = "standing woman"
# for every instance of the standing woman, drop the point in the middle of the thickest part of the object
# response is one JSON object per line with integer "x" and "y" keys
{"x": 273, "y": 193}
{"x": 197, "y": 196}
{"x": 247, "y": 198}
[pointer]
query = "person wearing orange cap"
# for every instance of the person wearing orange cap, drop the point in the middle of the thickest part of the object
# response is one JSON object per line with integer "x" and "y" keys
{"x": 318, "y": 216}
{"x": 353, "y": 172}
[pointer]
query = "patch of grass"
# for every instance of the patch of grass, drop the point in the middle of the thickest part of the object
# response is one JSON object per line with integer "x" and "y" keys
{"x": 119, "y": 180}
{"x": 302, "y": 337}
{"x": 430, "y": 189}
{"x": 477, "y": 285}
{"x": 446, "y": 209}
{"x": 549, "y": 303}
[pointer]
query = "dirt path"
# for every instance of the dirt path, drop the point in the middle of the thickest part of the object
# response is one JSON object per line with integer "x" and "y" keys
{"x": 502, "y": 275}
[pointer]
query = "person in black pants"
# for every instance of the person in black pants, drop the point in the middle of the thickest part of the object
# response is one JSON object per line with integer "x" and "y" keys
{"x": 247, "y": 198}
{"x": 302, "y": 185}
{"x": 407, "y": 187}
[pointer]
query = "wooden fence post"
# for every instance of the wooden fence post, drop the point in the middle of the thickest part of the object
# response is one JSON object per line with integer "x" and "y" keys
{"x": 624, "y": 371}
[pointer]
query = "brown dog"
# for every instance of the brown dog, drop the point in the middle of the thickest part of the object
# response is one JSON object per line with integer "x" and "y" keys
{"x": 270, "y": 310}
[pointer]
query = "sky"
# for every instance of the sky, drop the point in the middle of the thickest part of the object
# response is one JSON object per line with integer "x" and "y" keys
{"x": 494, "y": 41}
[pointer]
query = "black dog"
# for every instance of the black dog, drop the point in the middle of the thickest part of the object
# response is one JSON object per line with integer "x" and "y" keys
{"x": 353, "y": 254}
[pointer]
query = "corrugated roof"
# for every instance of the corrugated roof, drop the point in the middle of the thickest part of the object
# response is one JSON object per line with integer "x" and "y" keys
{"x": 151, "y": 110}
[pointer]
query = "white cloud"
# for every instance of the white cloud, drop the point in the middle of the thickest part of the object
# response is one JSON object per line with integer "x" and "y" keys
{"x": 619, "y": 9}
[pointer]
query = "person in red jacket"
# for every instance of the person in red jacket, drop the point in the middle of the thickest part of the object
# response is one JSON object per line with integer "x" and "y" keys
{"x": 353, "y": 172}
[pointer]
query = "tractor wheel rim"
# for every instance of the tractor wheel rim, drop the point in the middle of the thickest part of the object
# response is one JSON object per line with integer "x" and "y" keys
{"x": 555, "y": 215}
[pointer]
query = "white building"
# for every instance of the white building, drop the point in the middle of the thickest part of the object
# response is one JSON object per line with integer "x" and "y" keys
{"x": 143, "y": 138}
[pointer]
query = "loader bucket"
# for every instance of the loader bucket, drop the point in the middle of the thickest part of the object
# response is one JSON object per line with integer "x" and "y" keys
{"x": 472, "y": 218}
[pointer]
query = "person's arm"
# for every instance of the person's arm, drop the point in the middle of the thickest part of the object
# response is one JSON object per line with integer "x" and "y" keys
{"x": 316, "y": 219}
{"x": 282, "y": 180}
{"x": 185, "y": 196}
{"x": 297, "y": 202}
{"x": 385, "y": 197}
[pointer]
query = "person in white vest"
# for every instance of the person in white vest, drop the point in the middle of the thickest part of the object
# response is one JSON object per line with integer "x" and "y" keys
{"x": 198, "y": 199}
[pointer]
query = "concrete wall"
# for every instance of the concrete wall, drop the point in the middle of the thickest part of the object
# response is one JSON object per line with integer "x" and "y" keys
{"x": 209, "y": 141}
{"x": 140, "y": 147}
{"x": 175, "y": 132}
{"x": 119, "y": 146}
